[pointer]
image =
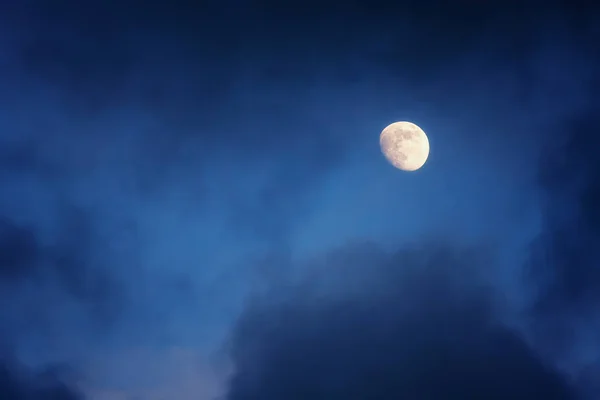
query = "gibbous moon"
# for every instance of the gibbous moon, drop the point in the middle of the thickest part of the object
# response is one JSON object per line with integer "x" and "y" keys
{"x": 405, "y": 145}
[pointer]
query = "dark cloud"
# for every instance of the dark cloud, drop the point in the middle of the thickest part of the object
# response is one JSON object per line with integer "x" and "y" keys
{"x": 17, "y": 383}
{"x": 68, "y": 261}
{"x": 53, "y": 275}
{"x": 564, "y": 266}
{"x": 97, "y": 57}
{"x": 417, "y": 324}
{"x": 18, "y": 250}
{"x": 161, "y": 64}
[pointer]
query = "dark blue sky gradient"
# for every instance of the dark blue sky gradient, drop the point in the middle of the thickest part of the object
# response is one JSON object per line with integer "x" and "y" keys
{"x": 194, "y": 201}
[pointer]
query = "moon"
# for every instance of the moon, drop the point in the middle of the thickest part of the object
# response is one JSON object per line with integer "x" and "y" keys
{"x": 405, "y": 145}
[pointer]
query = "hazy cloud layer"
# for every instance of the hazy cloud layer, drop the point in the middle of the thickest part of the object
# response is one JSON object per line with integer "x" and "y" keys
{"x": 145, "y": 148}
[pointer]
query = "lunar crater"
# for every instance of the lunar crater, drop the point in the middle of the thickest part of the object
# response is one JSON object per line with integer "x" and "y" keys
{"x": 405, "y": 145}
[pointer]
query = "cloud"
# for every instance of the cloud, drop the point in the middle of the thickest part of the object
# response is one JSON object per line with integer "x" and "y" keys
{"x": 564, "y": 265}
{"x": 55, "y": 269}
{"x": 154, "y": 374}
{"x": 17, "y": 383}
{"x": 68, "y": 262}
{"x": 18, "y": 249}
{"x": 416, "y": 324}
{"x": 570, "y": 180}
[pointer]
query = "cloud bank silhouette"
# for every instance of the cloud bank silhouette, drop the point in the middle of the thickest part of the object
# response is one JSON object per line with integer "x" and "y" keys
{"x": 420, "y": 323}
{"x": 17, "y": 383}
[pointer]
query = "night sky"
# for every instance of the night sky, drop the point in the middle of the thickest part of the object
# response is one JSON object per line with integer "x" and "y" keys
{"x": 194, "y": 204}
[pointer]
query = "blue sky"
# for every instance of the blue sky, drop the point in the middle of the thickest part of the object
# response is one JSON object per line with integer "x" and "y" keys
{"x": 161, "y": 165}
